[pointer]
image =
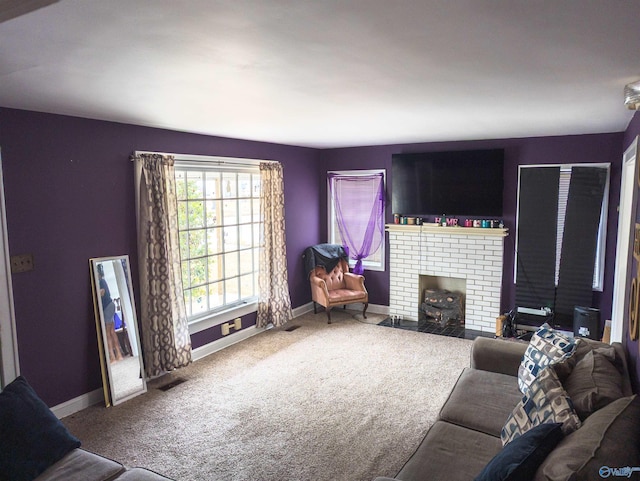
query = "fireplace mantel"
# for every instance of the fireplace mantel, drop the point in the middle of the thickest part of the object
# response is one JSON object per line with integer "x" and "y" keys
{"x": 457, "y": 230}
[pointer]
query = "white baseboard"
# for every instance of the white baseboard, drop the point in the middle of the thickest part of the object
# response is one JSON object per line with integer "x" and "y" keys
{"x": 356, "y": 306}
{"x": 303, "y": 309}
{"x": 79, "y": 403}
{"x": 215, "y": 346}
{"x": 372, "y": 308}
{"x": 376, "y": 309}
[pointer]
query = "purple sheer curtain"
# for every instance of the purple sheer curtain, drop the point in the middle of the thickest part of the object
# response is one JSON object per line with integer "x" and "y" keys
{"x": 359, "y": 211}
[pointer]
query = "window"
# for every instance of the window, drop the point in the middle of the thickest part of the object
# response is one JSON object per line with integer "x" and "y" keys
{"x": 362, "y": 206}
{"x": 558, "y": 195}
{"x": 563, "y": 195}
{"x": 219, "y": 228}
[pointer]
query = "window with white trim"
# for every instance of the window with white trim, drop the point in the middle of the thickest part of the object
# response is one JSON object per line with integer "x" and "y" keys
{"x": 220, "y": 230}
{"x": 363, "y": 195}
{"x": 563, "y": 193}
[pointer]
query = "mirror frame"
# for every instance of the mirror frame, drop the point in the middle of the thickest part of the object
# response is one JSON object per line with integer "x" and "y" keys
{"x": 108, "y": 383}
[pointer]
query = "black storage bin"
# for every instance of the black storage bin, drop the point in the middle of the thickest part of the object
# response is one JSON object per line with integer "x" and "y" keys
{"x": 586, "y": 322}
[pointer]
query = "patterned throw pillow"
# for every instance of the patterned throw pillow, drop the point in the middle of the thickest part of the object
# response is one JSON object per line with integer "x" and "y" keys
{"x": 545, "y": 402}
{"x": 547, "y": 346}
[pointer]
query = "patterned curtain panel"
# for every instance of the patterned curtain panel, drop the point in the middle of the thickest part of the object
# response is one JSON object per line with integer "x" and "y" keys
{"x": 165, "y": 333}
{"x": 274, "y": 302}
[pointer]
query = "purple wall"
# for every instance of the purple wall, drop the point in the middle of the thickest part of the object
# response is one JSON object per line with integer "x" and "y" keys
{"x": 539, "y": 150}
{"x": 633, "y": 130}
{"x": 69, "y": 195}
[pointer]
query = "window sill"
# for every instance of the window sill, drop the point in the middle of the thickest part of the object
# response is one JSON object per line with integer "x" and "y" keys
{"x": 218, "y": 318}
{"x": 368, "y": 268}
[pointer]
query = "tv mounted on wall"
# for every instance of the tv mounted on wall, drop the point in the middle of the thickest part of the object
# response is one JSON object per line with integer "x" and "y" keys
{"x": 468, "y": 182}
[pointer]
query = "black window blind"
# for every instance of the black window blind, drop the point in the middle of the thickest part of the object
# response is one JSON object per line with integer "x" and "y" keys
{"x": 579, "y": 243}
{"x": 536, "y": 249}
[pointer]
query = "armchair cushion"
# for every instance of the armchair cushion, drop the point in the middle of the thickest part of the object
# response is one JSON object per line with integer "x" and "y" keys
{"x": 345, "y": 296}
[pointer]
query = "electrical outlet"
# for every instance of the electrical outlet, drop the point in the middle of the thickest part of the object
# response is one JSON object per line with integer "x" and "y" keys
{"x": 225, "y": 329}
{"x": 237, "y": 324}
{"x": 22, "y": 263}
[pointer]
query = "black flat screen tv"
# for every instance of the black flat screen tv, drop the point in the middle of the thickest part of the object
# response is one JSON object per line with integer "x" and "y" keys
{"x": 457, "y": 183}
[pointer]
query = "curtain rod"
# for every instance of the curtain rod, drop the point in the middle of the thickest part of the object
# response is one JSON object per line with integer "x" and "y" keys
{"x": 210, "y": 159}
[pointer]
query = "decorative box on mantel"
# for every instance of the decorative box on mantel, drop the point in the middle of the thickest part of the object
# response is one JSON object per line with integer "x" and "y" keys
{"x": 468, "y": 260}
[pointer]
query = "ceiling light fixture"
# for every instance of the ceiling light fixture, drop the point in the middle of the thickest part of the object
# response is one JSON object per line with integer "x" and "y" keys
{"x": 632, "y": 95}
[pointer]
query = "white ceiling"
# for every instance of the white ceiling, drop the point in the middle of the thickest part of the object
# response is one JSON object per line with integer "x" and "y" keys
{"x": 328, "y": 73}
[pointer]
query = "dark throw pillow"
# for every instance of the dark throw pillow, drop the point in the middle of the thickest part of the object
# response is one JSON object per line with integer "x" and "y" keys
{"x": 520, "y": 459}
{"x": 31, "y": 437}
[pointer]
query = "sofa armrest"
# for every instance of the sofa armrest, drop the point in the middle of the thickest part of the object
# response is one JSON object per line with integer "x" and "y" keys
{"x": 141, "y": 474}
{"x": 81, "y": 465}
{"x": 497, "y": 355}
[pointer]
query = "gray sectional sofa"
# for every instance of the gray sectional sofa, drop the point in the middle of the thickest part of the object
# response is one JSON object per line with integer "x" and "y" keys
{"x": 467, "y": 435}
{"x": 81, "y": 465}
{"x": 36, "y": 446}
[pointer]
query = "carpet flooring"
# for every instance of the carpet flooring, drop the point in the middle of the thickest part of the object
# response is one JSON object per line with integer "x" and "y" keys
{"x": 345, "y": 401}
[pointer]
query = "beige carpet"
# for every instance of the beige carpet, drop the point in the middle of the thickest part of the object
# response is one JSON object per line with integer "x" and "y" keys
{"x": 346, "y": 401}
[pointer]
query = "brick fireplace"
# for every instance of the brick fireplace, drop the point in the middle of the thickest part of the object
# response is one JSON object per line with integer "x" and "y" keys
{"x": 455, "y": 258}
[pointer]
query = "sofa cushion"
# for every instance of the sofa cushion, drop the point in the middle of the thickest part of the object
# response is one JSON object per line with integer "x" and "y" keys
{"x": 502, "y": 355}
{"x": 547, "y": 346}
{"x": 81, "y": 465}
{"x": 31, "y": 437}
{"x": 481, "y": 400}
{"x": 593, "y": 383}
{"x": 450, "y": 452}
{"x": 545, "y": 402}
{"x": 609, "y": 438}
{"x": 520, "y": 459}
{"x": 565, "y": 366}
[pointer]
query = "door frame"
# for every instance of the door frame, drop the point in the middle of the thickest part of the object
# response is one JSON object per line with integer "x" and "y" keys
{"x": 626, "y": 223}
{"x": 9, "y": 361}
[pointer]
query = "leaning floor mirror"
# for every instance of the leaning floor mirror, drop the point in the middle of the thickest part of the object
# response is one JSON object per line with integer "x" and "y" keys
{"x": 117, "y": 329}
